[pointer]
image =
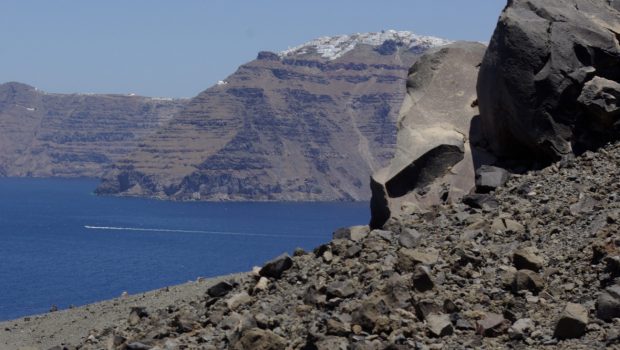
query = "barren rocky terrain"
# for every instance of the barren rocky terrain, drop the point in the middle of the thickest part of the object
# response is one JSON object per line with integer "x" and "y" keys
{"x": 534, "y": 264}
{"x": 46, "y": 330}
{"x": 529, "y": 258}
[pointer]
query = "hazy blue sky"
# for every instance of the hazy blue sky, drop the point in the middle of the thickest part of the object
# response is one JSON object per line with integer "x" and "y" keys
{"x": 179, "y": 48}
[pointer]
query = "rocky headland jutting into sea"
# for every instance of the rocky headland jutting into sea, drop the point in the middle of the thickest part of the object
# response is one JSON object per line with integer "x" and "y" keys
{"x": 501, "y": 233}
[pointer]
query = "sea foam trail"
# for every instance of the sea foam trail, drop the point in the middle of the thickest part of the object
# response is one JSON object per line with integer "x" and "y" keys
{"x": 220, "y": 233}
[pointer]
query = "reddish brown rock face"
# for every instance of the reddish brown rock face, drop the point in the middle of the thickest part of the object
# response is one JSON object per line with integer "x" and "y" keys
{"x": 43, "y": 134}
{"x": 308, "y": 124}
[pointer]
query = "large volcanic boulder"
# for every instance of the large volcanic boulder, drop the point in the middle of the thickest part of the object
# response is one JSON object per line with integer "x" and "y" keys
{"x": 433, "y": 161}
{"x": 548, "y": 85}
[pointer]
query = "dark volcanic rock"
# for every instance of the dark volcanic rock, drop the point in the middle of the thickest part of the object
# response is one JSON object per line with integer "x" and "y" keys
{"x": 259, "y": 339}
{"x": 528, "y": 280}
{"x": 439, "y": 325}
{"x": 276, "y": 267}
{"x": 488, "y": 178}
{"x": 220, "y": 289}
{"x": 608, "y": 303}
{"x": 527, "y": 258}
{"x": 380, "y": 296}
{"x": 409, "y": 238}
{"x": 480, "y": 201}
{"x": 138, "y": 346}
{"x": 572, "y": 322}
{"x": 340, "y": 289}
{"x": 354, "y": 233}
{"x": 73, "y": 135}
{"x": 492, "y": 325}
{"x": 549, "y": 81}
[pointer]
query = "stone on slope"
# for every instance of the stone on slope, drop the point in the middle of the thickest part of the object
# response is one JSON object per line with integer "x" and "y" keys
{"x": 480, "y": 201}
{"x": 422, "y": 279}
{"x": 220, "y": 289}
{"x": 599, "y": 98}
{"x": 528, "y": 280}
{"x": 409, "y": 238}
{"x": 276, "y": 267}
{"x": 340, "y": 289}
{"x": 439, "y": 325}
{"x": 608, "y": 303}
{"x": 527, "y": 258}
{"x": 136, "y": 314}
{"x": 549, "y": 80}
{"x": 262, "y": 284}
{"x": 492, "y": 325}
{"x": 138, "y": 346}
{"x": 585, "y": 204}
{"x": 354, "y": 233}
{"x": 506, "y": 225}
{"x": 572, "y": 322}
{"x": 521, "y": 328}
{"x": 409, "y": 258}
{"x": 425, "y": 307}
{"x": 238, "y": 300}
{"x": 259, "y": 339}
{"x": 337, "y": 327}
{"x": 488, "y": 178}
{"x": 369, "y": 312}
{"x": 332, "y": 343}
{"x": 433, "y": 141}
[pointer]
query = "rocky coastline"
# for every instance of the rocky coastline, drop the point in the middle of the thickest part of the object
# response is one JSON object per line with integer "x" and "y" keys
{"x": 502, "y": 234}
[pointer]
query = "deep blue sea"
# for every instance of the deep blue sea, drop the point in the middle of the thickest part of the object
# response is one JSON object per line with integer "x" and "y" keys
{"x": 61, "y": 245}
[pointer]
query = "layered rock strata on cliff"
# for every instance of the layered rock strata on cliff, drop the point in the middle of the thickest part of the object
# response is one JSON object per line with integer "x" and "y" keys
{"x": 73, "y": 135}
{"x": 540, "y": 270}
{"x": 310, "y": 123}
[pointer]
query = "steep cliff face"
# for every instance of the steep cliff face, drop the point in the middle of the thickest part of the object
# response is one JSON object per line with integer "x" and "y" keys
{"x": 310, "y": 123}
{"x": 76, "y": 135}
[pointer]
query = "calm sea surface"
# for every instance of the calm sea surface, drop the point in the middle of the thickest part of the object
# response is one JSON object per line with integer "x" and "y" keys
{"x": 60, "y": 244}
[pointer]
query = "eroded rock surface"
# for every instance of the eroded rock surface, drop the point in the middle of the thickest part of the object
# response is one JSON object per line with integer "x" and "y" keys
{"x": 458, "y": 288}
{"x": 433, "y": 161}
{"x": 548, "y": 86}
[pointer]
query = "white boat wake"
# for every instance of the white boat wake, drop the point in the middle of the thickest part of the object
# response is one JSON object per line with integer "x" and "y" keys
{"x": 219, "y": 233}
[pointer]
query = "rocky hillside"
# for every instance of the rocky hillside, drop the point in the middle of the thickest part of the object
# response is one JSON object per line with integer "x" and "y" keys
{"x": 309, "y": 123}
{"x": 532, "y": 268}
{"x": 77, "y": 135}
{"x": 527, "y": 260}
